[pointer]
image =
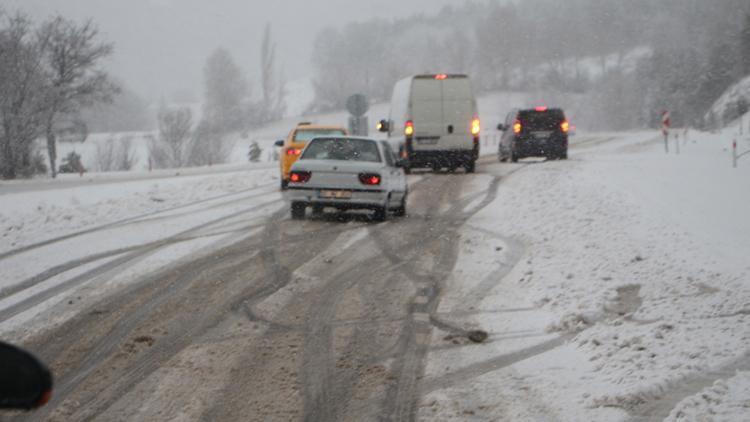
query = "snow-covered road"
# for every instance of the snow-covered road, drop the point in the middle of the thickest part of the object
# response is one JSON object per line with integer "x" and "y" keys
{"x": 612, "y": 286}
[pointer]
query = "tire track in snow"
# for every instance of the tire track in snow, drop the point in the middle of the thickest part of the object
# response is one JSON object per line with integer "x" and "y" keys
{"x": 128, "y": 220}
{"x": 105, "y": 269}
{"x": 146, "y": 301}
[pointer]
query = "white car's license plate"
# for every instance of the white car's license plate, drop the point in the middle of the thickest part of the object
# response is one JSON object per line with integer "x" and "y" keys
{"x": 336, "y": 194}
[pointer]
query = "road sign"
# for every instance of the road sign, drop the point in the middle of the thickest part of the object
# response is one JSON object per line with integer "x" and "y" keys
{"x": 665, "y": 124}
{"x": 357, "y": 105}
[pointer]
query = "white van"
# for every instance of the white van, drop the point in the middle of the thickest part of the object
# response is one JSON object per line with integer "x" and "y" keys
{"x": 434, "y": 122}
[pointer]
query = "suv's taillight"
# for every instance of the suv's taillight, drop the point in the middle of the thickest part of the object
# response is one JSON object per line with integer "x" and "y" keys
{"x": 517, "y": 127}
{"x": 409, "y": 128}
{"x": 370, "y": 179}
{"x": 565, "y": 126}
{"x": 300, "y": 176}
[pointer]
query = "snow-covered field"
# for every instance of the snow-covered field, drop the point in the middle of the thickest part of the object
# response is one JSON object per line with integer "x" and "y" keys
{"x": 49, "y": 210}
{"x": 633, "y": 290}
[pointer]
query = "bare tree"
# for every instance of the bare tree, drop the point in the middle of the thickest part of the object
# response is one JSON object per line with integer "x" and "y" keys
{"x": 158, "y": 157}
{"x": 209, "y": 146}
{"x": 72, "y": 54}
{"x": 272, "y": 81}
{"x": 175, "y": 127}
{"x": 115, "y": 155}
{"x": 126, "y": 156}
{"x": 22, "y": 95}
{"x": 104, "y": 156}
{"x": 227, "y": 91}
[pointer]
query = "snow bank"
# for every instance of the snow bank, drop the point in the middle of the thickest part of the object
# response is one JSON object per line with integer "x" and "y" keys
{"x": 640, "y": 255}
{"x": 725, "y": 400}
{"x": 37, "y": 215}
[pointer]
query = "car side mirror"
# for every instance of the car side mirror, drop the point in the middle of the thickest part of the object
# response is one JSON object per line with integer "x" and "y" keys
{"x": 383, "y": 126}
{"x": 26, "y": 382}
{"x": 400, "y": 162}
{"x": 279, "y": 143}
{"x": 501, "y": 127}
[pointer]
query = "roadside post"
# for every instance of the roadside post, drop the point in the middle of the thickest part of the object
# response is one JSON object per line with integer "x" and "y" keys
{"x": 358, "y": 105}
{"x": 734, "y": 153}
{"x": 677, "y": 142}
{"x": 665, "y": 123}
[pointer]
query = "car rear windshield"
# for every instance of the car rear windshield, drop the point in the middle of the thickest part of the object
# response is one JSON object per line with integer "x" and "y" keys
{"x": 306, "y": 135}
{"x": 541, "y": 120}
{"x": 342, "y": 149}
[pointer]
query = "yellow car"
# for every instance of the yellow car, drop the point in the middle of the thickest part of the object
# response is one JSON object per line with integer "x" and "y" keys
{"x": 296, "y": 141}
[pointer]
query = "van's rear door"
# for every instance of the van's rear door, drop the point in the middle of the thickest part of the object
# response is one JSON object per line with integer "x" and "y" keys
{"x": 427, "y": 112}
{"x": 459, "y": 109}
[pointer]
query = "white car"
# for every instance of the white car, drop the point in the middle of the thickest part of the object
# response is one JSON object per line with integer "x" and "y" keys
{"x": 348, "y": 173}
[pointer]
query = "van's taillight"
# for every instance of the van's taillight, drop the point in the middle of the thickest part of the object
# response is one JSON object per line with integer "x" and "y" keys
{"x": 370, "y": 179}
{"x": 476, "y": 127}
{"x": 517, "y": 127}
{"x": 441, "y": 76}
{"x": 565, "y": 126}
{"x": 293, "y": 151}
{"x": 409, "y": 128}
{"x": 541, "y": 108}
{"x": 300, "y": 176}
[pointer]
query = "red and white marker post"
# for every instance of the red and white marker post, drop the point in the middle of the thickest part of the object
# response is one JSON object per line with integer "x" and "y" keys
{"x": 665, "y": 124}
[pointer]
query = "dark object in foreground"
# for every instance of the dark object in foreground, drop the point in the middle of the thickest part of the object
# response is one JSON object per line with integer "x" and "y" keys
{"x": 477, "y": 336}
{"x": 25, "y": 383}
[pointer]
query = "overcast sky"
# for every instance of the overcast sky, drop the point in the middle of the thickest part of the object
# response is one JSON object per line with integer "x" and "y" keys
{"x": 161, "y": 45}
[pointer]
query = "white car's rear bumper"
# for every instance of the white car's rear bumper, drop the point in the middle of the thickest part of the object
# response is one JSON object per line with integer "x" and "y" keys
{"x": 360, "y": 198}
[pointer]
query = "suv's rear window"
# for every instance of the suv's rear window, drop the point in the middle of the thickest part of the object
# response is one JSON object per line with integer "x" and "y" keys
{"x": 342, "y": 149}
{"x": 541, "y": 120}
{"x": 305, "y": 135}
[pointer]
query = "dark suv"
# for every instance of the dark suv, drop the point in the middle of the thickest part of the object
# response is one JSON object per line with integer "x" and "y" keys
{"x": 534, "y": 132}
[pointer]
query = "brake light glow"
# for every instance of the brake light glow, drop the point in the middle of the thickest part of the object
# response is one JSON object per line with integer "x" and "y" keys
{"x": 300, "y": 176}
{"x": 476, "y": 127}
{"x": 541, "y": 108}
{"x": 370, "y": 179}
{"x": 565, "y": 126}
{"x": 409, "y": 128}
{"x": 293, "y": 151}
{"x": 441, "y": 76}
{"x": 517, "y": 127}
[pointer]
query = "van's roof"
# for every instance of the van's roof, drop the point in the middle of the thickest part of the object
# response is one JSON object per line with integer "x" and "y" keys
{"x": 441, "y": 76}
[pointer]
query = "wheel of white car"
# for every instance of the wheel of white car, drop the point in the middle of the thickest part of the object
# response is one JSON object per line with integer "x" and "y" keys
{"x": 298, "y": 210}
{"x": 401, "y": 210}
{"x": 380, "y": 214}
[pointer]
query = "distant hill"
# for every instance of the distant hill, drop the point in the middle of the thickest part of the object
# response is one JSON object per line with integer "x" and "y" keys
{"x": 734, "y": 103}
